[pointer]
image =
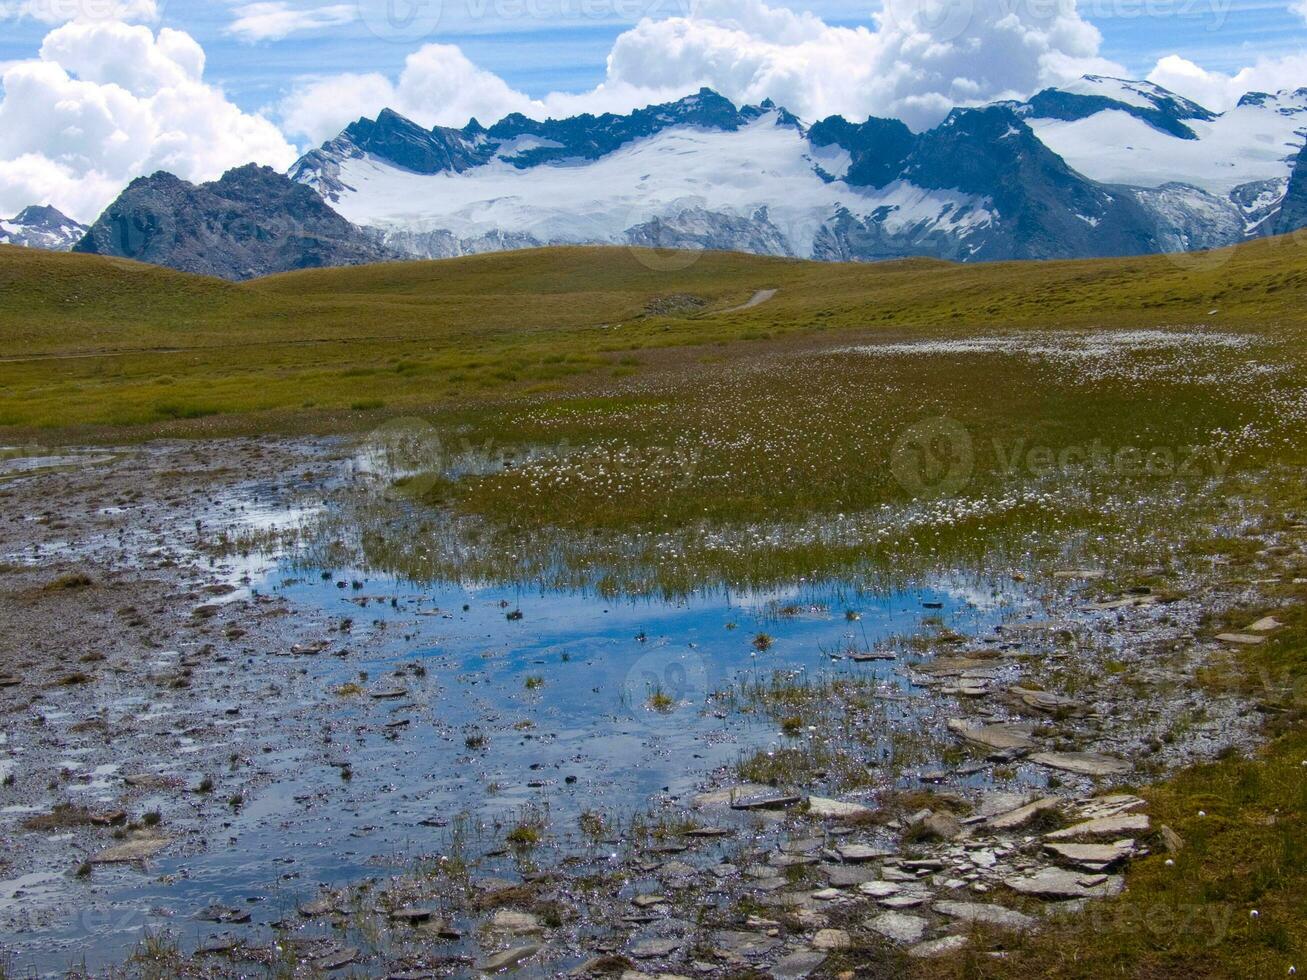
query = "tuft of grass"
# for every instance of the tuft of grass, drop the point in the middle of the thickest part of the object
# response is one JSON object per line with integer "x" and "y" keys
{"x": 661, "y": 701}
{"x": 525, "y": 835}
{"x": 69, "y": 582}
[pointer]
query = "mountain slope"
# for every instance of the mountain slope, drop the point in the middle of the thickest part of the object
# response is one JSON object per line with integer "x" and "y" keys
{"x": 42, "y": 227}
{"x": 700, "y": 173}
{"x": 1101, "y": 167}
{"x": 251, "y": 222}
{"x": 1098, "y": 168}
{"x": 1293, "y": 211}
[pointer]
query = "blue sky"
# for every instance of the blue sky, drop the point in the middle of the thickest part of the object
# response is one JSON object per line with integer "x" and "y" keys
{"x": 543, "y": 54}
{"x": 96, "y": 92}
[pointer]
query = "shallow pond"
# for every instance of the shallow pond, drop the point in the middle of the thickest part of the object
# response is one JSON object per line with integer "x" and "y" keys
{"x": 453, "y": 706}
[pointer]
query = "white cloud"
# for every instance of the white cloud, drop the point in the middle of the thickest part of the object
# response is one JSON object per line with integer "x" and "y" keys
{"x": 1219, "y": 91}
{"x": 273, "y": 20}
{"x": 106, "y": 102}
{"x": 911, "y": 64}
{"x": 63, "y": 11}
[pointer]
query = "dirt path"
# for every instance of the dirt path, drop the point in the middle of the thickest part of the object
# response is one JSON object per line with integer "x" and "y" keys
{"x": 757, "y": 299}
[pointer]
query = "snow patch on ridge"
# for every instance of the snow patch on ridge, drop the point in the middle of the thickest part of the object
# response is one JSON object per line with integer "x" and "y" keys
{"x": 761, "y": 167}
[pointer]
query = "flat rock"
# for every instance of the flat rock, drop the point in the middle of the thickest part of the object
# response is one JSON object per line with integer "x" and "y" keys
{"x": 871, "y": 656}
{"x": 899, "y": 927}
{"x": 861, "y": 853}
{"x": 137, "y": 849}
{"x": 1268, "y": 625}
{"x": 1096, "y": 857}
{"x": 738, "y": 943}
{"x": 880, "y": 889}
{"x": 1242, "y": 639}
{"x": 726, "y": 796}
{"x": 1045, "y": 701}
{"x": 1082, "y": 763}
{"x": 1172, "y": 841}
{"x": 831, "y": 939}
{"x": 905, "y": 900}
{"x": 770, "y": 800}
{"x": 1104, "y": 828}
{"x": 518, "y": 923}
{"x": 318, "y": 907}
{"x": 846, "y": 876}
{"x": 1060, "y": 884}
{"x": 506, "y": 958}
{"x": 987, "y": 914}
{"x": 952, "y": 666}
{"x": 826, "y": 809}
{"x": 798, "y": 965}
{"x": 648, "y": 949}
{"x": 219, "y": 945}
{"x": 938, "y": 947}
{"x": 1108, "y": 806}
{"x": 337, "y": 959}
{"x": 1023, "y": 816}
{"x": 941, "y": 826}
{"x": 1128, "y": 602}
{"x": 1003, "y": 738}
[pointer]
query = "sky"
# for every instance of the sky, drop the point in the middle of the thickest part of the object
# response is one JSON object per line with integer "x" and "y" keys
{"x": 96, "y": 92}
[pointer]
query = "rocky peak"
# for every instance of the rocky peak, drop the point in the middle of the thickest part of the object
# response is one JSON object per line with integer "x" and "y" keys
{"x": 41, "y": 226}
{"x": 251, "y": 222}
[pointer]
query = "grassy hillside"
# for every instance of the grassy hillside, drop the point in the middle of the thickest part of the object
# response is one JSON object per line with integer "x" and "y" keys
{"x": 92, "y": 342}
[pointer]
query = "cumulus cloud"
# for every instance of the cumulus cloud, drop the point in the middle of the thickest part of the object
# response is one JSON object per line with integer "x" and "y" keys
{"x": 1219, "y": 91}
{"x": 917, "y": 61}
{"x": 105, "y": 102}
{"x": 274, "y": 19}
{"x": 439, "y": 86}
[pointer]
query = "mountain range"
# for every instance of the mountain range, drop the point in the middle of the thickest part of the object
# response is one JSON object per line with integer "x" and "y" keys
{"x": 1098, "y": 168}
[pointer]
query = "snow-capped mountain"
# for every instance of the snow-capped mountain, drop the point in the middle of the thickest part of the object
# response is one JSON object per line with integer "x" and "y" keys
{"x": 1101, "y": 167}
{"x": 42, "y": 227}
{"x": 1209, "y": 179}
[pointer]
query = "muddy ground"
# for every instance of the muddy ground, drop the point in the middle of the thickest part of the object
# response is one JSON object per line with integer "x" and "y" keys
{"x": 152, "y": 699}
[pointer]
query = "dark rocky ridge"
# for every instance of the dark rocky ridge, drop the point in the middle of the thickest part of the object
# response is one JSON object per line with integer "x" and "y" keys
{"x": 1293, "y": 210}
{"x": 251, "y": 222}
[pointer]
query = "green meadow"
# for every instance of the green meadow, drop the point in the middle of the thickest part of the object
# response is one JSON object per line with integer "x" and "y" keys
{"x": 608, "y": 418}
